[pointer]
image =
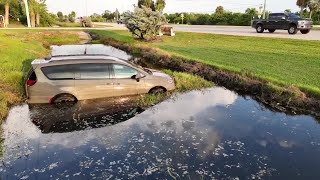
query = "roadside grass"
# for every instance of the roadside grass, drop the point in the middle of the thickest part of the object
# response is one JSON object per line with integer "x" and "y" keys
{"x": 184, "y": 82}
{"x": 67, "y": 24}
{"x": 16, "y": 25}
{"x": 18, "y": 48}
{"x": 284, "y": 62}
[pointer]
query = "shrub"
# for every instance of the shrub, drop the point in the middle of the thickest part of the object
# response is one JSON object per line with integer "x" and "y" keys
{"x": 144, "y": 23}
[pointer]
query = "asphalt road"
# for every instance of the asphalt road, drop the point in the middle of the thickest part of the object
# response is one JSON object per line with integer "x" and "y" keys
{"x": 233, "y": 30}
{"x": 226, "y": 30}
{"x": 245, "y": 31}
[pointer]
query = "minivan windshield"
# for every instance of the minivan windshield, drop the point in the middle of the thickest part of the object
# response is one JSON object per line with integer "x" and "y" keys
{"x": 140, "y": 67}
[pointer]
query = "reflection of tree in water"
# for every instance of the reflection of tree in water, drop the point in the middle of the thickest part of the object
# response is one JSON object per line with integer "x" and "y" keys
{"x": 84, "y": 115}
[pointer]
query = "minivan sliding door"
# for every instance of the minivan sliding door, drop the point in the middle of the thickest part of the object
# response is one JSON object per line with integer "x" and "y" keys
{"x": 93, "y": 81}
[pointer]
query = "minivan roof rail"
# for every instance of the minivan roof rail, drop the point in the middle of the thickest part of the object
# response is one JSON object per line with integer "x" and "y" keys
{"x": 50, "y": 58}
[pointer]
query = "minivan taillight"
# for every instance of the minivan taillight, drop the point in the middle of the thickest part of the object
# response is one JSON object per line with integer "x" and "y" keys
{"x": 31, "y": 82}
{"x": 32, "y": 79}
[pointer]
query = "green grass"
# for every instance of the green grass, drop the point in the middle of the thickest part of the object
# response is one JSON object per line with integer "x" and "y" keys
{"x": 16, "y": 25}
{"x": 283, "y": 62}
{"x": 184, "y": 82}
{"x": 187, "y": 82}
{"x": 68, "y": 24}
{"x": 18, "y": 48}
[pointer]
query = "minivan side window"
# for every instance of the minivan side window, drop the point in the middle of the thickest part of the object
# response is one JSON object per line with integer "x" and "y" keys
{"x": 92, "y": 71}
{"x": 61, "y": 72}
{"x": 123, "y": 72}
{"x": 77, "y": 71}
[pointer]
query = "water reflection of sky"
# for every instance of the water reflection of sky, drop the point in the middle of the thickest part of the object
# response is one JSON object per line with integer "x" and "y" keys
{"x": 209, "y": 134}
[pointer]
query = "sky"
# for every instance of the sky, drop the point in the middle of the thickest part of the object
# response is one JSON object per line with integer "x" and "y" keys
{"x": 88, "y": 7}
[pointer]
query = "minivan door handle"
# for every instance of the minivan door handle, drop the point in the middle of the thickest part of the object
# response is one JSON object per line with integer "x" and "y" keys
{"x": 109, "y": 84}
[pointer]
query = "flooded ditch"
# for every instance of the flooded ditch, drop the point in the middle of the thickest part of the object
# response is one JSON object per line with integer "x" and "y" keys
{"x": 214, "y": 133}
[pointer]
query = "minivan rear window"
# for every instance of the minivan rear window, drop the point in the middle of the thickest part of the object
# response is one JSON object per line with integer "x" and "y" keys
{"x": 61, "y": 72}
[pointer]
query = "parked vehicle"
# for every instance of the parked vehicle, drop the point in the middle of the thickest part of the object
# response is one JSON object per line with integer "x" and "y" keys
{"x": 71, "y": 78}
{"x": 291, "y": 22}
{"x": 120, "y": 21}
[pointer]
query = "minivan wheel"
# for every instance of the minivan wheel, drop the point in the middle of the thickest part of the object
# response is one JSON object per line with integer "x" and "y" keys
{"x": 157, "y": 90}
{"x": 64, "y": 99}
{"x": 293, "y": 29}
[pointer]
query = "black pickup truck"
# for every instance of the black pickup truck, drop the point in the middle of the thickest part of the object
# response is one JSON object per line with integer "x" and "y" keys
{"x": 283, "y": 21}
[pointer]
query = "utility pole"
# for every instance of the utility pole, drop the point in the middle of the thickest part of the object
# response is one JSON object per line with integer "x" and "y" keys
{"x": 27, "y": 12}
{"x": 264, "y": 9}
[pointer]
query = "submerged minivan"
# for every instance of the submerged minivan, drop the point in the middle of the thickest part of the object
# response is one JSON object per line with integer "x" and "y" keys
{"x": 71, "y": 78}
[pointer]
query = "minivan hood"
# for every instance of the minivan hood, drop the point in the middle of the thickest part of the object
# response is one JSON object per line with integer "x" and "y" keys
{"x": 160, "y": 74}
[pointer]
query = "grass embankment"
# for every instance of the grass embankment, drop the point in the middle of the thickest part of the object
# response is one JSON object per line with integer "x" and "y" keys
{"x": 281, "y": 61}
{"x": 184, "y": 82}
{"x": 264, "y": 66}
{"x": 18, "y": 48}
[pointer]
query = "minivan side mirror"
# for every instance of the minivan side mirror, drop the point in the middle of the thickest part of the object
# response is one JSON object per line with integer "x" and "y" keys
{"x": 137, "y": 77}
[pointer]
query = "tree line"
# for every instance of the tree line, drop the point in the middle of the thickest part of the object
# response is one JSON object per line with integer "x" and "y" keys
{"x": 219, "y": 17}
{"x": 312, "y": 5}
{"x": 106, "y": 16}
{"x": 15, "y": 10}
{"x": 223, "y": 17}
{"x": 157, "y": 5}
{"x": 71, "y": 17}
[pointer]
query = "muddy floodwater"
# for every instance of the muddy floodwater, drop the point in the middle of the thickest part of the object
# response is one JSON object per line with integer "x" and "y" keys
{"x": 197, "y": 135}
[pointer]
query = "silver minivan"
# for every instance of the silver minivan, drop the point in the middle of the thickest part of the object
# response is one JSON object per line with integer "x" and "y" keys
{"x": 80, "y": 77}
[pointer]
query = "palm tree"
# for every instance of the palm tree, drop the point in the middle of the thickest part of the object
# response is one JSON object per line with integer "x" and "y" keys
{"x": 7, "y": 10}
{"x": 38, "y": 9}
{"x": 32, "y": 7}
{"x": 313, "y": 5}
{"x": 35, "y": 8}
{"x": 302, "y": 4}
